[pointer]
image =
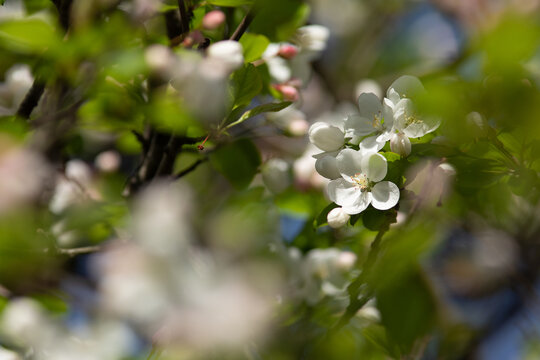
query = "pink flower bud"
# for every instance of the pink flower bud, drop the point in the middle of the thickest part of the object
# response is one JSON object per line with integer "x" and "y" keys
{"x": 290, "y": 93}
{"x": 288, "y": 51}
{"x": 213, "y": 19}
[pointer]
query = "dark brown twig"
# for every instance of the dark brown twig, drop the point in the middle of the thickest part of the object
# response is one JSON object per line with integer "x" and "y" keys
{"x": 31, "y": 99}
{"x": 244, "y": 24}
{"x": 184, "y": 16}
{"x": 189, "y": 169}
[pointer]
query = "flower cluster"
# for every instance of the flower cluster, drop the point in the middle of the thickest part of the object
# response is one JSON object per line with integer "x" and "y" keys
{"x": 351, "y": 158}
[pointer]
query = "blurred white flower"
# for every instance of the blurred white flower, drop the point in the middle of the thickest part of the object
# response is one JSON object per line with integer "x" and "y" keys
{"x": 305, "y": 174}
{"x": 404, "y": 87}
{"x": 73, "y": 187}
{"x": 108, "y": 161}
{"x": 312, "y": 38}
{"x": 6, "y": 354}
{"x": 229, "y": 52}
{"x": 432, "y": 182}
{"x": 18, "y": 80}
{"x": 143, "y": 10}
{"x": 291, "y": 62}
{"x": 198, "y": 79}
{"x": 23, "y": 173}
{"x": 368, "y": 86}
{"x": 162, "y": 217}
{"x": 161, "y": 60}
{"x": 275, "y": 175}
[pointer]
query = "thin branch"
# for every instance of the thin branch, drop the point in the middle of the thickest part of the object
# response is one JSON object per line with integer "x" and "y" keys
{"x": 78, "y": 251}
{"x": 189, "y": 169}
{"x": 244, "y": 24}
{"x": 32, "y": 98}
{"x": 184, "y": 16}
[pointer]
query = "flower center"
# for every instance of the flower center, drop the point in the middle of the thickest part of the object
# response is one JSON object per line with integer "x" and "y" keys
{"x": 361, "y": 181}
{"x": 411, "y": 119}
{"x": 378, "y": 121}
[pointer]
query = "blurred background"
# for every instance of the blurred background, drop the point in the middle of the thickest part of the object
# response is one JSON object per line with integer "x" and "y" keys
{"x": 234, "y": 259}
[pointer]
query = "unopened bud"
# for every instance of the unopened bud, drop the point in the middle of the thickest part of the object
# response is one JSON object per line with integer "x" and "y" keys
{"x": 290, "y": 93}
{"x": 288, "y": 51}
{"x": 327, "y": 167}
{"x": 400, "y": 144}
{"x": 337, "y": 218}
{"x": 326, "y": 137}
{"x": 213, "y": 19}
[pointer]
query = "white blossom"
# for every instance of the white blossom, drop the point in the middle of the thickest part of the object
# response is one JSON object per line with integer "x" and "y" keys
{"x": 374, "y": 122}
{"x": 361, "y": 182}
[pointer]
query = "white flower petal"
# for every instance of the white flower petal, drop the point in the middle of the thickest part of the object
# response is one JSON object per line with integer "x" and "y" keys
{"x": 343, "y": 192}
{"x": 369, "y": 105}
{"x": 403, "y": 109}
{"x": 349, "y": 162}
{"x": 371, "y": 144}
{"x": 361, "y": 202}
{"x": 385, "y": 195}
{"x": 357, "y": 125}
{"x": 425, "y": 126}
{"x": 327, "y": 167}
{"x": 388, "y": 116}
{"x": 374, "y": 166}
{"x": 279, "y": 69}
{"x": 326, "y": 137}
{"x": 392, "y": 99}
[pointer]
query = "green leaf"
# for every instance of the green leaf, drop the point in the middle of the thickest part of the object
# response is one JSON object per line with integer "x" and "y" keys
{"x": 270, "y": 107}
{"x": 230, "y": 3}
{"x": 247, "y": 83}
{"x": 279, "y": 19}
{"x": 376, "y": 335}
{"x": 322, "y": 218}
{"x": 33, "y": 6}
{"x": 376, "y": 220}
{"x": 237, "y": 161}
{"x": 407, "y": 309}
{"x": 254, "y": 46}
{"x": 29, "y": 35}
